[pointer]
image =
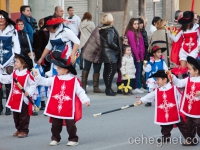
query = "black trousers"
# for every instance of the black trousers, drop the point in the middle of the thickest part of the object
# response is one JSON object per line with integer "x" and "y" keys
{"x": 56, "y": 129}
{"x": 193, "y": 127}
{"x": 166, "y": 129}
{"x": 96, "y": 66}
{"x": 108, "y": 74}
{"x": 22, "y": 119}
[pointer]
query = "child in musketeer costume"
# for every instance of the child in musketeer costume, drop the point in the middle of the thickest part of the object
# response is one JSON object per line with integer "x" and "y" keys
{"x": 186, "y": 43}
{"x": 167, "y": 98}
{"x": 17, "y": 101}
{"x": 63, "y": 105}
{"x": 155, "y": 63}
{"x": 40, "y": 93}
{"x": 191, "y": 99}
{"x": 60, "y": 38}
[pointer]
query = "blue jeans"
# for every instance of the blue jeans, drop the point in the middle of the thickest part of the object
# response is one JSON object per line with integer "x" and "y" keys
{"x": 136, "y": 81}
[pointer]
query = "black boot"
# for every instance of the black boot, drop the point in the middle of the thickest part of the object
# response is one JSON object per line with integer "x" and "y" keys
{"x": 148, "y": 104}
{"x": 8, "y": 87}
{"x": 109, "y": 92}
{"x": 84, "y": 79}
{"x": 42, "y": 105}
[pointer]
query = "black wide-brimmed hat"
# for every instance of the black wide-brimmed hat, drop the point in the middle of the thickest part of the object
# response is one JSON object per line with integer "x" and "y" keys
{"x": 55, "y": 57}
{"x": 188, "y": 17}
{"x": 159, "y": 73}
{"x": 26, "y": 58}
{"x": 156, "y": 48}
{"x": 6, "y": 16}
{"x": 194, "y": 62}
{"x": 51, "y": 21}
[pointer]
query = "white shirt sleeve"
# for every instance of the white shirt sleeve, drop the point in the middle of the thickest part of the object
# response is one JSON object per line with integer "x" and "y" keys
{"x": 147, "y": 68}
{"x": 81, "y": 93}
{"x": 165, "y": 66}
{"x": 31, "y": 87}
{"x": 177, "y": 37}
{"x": 43, "y": 81}
{"x": 150, "y": 97}
{"x": 49, "y": 46}
{"x": 16, "y": 45}
{"x": 179, "y": 82}
{"x": 69, "y": 34}
{"x": 6, "y": 79}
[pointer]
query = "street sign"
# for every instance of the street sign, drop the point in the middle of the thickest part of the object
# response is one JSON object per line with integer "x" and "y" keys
{"x": 156, "y": 0}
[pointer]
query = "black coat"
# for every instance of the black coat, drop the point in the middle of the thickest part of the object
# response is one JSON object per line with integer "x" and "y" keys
{"x": 23, "y": 40}
{"x": 145, "y": 37}
{"x": 110, "y": 43}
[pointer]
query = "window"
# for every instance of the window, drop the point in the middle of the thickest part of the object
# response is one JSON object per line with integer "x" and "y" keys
{"x": 113, "y": 5}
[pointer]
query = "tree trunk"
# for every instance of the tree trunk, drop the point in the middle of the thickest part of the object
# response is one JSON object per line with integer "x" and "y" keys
{"x": 125, "y": 17}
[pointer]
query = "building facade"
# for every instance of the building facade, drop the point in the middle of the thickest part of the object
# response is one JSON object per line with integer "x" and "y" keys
{"x": 41, "y": 8}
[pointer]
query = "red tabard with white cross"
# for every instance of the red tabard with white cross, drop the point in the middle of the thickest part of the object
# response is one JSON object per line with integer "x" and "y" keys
{"x": 191, "y": 104}
{"x": 190, "y": 41}
{"x": 166, "y": 107}
{"x": 16, "y": 96}
{"x": 61, "y": 103}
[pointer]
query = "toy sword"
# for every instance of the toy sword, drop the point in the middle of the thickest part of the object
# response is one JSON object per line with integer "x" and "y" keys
{"x": 22, "y": 89}
{"x": 110, "y": 111}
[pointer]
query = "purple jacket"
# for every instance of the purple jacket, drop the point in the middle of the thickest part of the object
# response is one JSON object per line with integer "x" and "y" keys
{"x": 137, "y": 46}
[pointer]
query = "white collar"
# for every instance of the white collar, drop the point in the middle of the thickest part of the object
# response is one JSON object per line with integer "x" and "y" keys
{"x": 165, "y": 87}
{"x": 22, "y": 72}
{"x": 8, "y": 29}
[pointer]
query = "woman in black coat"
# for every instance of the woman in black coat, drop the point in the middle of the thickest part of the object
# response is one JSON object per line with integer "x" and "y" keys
{"x": 22, "y": 36}
{"x": 111, "y": 51}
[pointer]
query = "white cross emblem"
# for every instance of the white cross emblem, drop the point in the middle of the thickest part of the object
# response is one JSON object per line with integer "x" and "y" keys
{"x": 166, "y": 105}
{"x": 191, "y": 98}
{"x": 61, "y": 97}
{"x": 15, "y": 90}
{"x": 2, "y": 52}
{"x": 190, "y": 44}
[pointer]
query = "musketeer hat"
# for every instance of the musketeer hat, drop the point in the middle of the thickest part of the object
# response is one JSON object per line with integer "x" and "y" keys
{"x": 156, "y": 48}
{"x": 159, "y": 73}
{"x": 194, "y": 62}
{"x": 26, "y": 58}
{"x": 59, "y": 59}
{"x": 188, "y": 17}
{"x": 6, "y": 16}
{"x": 51, "y": 21}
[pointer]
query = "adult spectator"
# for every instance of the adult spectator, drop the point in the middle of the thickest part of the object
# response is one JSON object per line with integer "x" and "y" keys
{"x": 111, "y": 51}
{"x": 22, "y": 35}
{"x": 30, "y": 24}
{"x": 178, "y": 15}
{"x": 40, "y": 40}
{"x": 86, "y": 27}
{"x": 159, "y": 38}
{"x": 73, "y": 21}
{"x": 9, "y": 44}
{"x": 153, "y": 27}
{"x": 58, "y": 12}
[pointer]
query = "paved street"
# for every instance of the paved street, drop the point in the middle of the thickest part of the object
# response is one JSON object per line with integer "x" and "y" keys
{"x": 106, "y": 132}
